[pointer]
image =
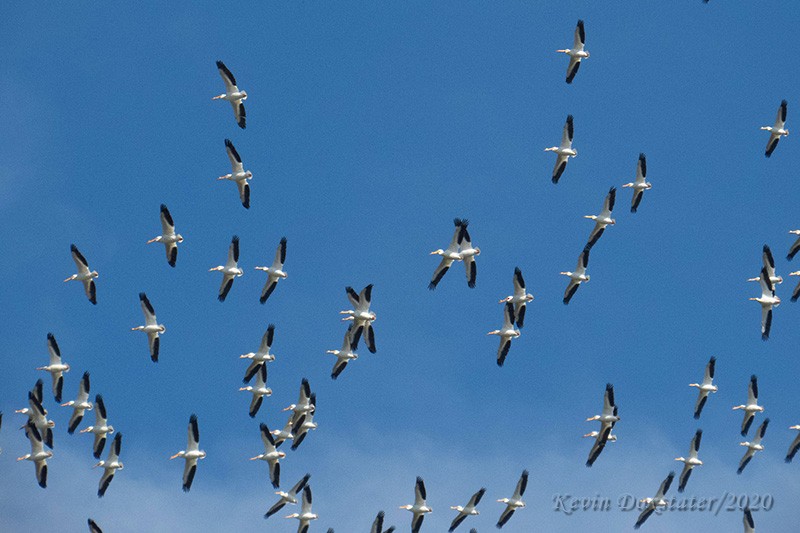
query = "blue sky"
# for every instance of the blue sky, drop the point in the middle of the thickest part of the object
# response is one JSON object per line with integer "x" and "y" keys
{"x": 370, "y": 127}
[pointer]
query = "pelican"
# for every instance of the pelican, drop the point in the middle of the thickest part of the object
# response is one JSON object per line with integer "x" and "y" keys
{"x": 361, "y": 315}
{"x": 93, "y": 527}
{"x": 271, "y": 455}
{"x": 769, "y": 264}
{"x": 652, "y": 503}
{"x": 608, "y": 416}
{"x": 347, "y": 352}
{"x": 690, "y": 462}
{"x": 377, "y": 524}
{"x": 467, "y": 510}
{"x": 57, "y": 368}
{"x": 776, "y": 130}
{"x": 796, "y": 291}
{"x": 601, "y": 438}
{"x": 768, "y": 300}
{"x": 468, "y": 253}
{"x": 577, "y": 53}
{"x": 284, "y": 434}
{"x": 577, "y": 277}
{"x": 420, "y": 507}
{"x": 753, "y": 447}
{"x": 275, "y": 272}
{"x": 795, "y": 247}
{"x": 639, "y": 185}
{"x": 110, "y": 465}
{"x": 191, "y": 454}
{"x": 168, "y": 236}
{"x": 794, "y": 446}
{"x": 506, "y": 333}
{"x": 752, "y": 407}
{"x": 232, "y": 94}
{"x": 262, "y": 356}
{"x": 231, "y": 269}
{"x": 520, "y": 298}
{"x": 563, "y": 151}
{"x": 603, "y": 219}
{"x": 288, "y": 497}
{"x": 303, "y": 404}
{"x": 448, "y": 256}
{"x": 259, "y": 390}
{"x": 238, "y": 175}
{"x": 37, "y": 415}
{"x": 80, "y": 404}
{"x": 515, "y": 501}
{"x": 594, "y": 434}
{"x": 304, "y": 423}
{"x": 38, "y": 455}
{"x": 84, "y": 275}
{"x": 100, "y": 429}
{"x": 747, "y": 518}
{"x": 305, "y": 515}
{"x": 151, "y": 327}
{"x": 705, "y": 387}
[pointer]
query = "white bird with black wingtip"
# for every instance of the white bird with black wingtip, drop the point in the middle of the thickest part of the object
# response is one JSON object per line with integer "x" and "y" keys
{"x": 468, "y": 510}
{"x": 777, "y": 130}
{"x": 704, "y": 388}
{"x": 751, "y": 407}
{"x": 191, "y": 454}
{"x": 80, "y": 404}
{"x": 603, "y": 219}
{"x": 259, "y": 390}
{"x": 563, "y": 151}
{"x": 38, "y": 455}
{"x": 449, "y": 255}
{"x": 110, "y": 465}
{"x": 238, "y": 174}
{"x": 100, "y": 429}
{"x": 506, "y": 332}
{"x": 57, "y": 367}
{"x": 151, "y": 327}
{"x": 233, "y": 95}
{"x": 691, "y": 461}
{"x": 420, "y": 507}
{"x": 514, "y": 502}
{"x": 230, "y": 271}
{"x": 168, "y": 237}
{"x": 577, "y": 277}
{"x": 520, "y": 298}
{"x": 658, "y": 500}
{"x": 639, "y": 185}
{"x": 361, "y": 315}
{"x": 274, "y": 272}
{"x": 768, "y": 300}
{"x": 271, "y": 455}
{"x": 84, "y": 275}
{"x": 262, "y": 356}
{"x": 577, "y": 52}
{"x": 753, "y": 447}
{"x": 289, "y": 497}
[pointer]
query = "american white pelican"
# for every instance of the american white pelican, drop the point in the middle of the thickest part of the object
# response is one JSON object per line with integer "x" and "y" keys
{"x": 577, "y": 277}
{"x": 238, "y": 175}
{"x": 564, "y": 151}
{"x": 594, "y": 434}
{"x": 303, "y": 404}
{"x": 284, "y": 434}
{"x": 768, "y": 300}
{"x": 84, "y": 275}
{"x": 93, "y": 527}
{"x": 753, "y": 447}
{"x": 657, "y": 501}
{"x": 347, "y": 353}
{"x": 275, "y": 272}
{"x": 262, "y": 356}
{"x": 776, "y": 130}
{"x": 506, "y": 333}
{"x": 38, "y": 455}
{"x": 705, "y": 387}
{"x": 795, "y": 247}
{"x": 520, "y": 298}
{"x": 305, "y": 516}
{"x": 576, "y": 53}
{"x": 37, "y": 415}
{"x": 467, "y": 510}
{"x": 79, "y": 404}
{"x": 794, "y": 446}
{"x": 232, "y": 95}
{"x": 752, "y": 407}
{"x": 304, "y": 423}
{"x": 57, "y": 367}
{"x": 231, "y": 269}
{"x": 639, "y": 185}
{"x": 110, "y": 465}
{"x": 271, "y": 455}
{"x": 151, "y": 327}
{"x": 191, "y": 454}
{"x": 601, "y": 438}
{"x": 468, "y": 253}
{"x": 796, "y": 291}
{"x": 377, "y": 524}
{"x": 608, "y": 416}
{"x": 515, "y": 501}
{"x": 168, "y": 237}
{"x": 747, "y": 517}
{"x": 420, "y": 506}
{"x": 769, "y": 264}
{"x": 690, "y": 462}
{"x": 603, "y": 219}
{"x": 448, "y": 256}
{"x": 361, "y": 315}
{"x": 100, "y": 429}
{"x": 259, "y": 390}
{"x": 288, "y": 497}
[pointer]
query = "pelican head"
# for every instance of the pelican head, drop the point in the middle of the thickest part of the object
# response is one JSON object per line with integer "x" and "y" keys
{"x": 244, "y": 94}
{"x": 477, "y": 251}
{"x": 95, "y": 274}
{"x": 248, "y": 175}
{"x": 179, "y": 237}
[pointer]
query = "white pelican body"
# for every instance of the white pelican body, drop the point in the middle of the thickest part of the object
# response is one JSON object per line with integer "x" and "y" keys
{"x": 514, "y": 502}
{"x": 84, "y": 275}
{"x": 564, "y": 151}
{"x": 577, "y": 277}
{"x": 151, "y": 327}
{"x": 262, "y": 356}
{"x": 467, "y": 510}
{"x": 37, "y": 456}
{"x": 753, "y": 447}
{"x": 690, "y": 462}
{"x": 468, "y": 253}
{"x": 37, "y": 415}
{"x": 231, "y": 269}
{"x": 520, "y": 298}
{"x": 305, "y": 516}
{"x": 259, "y": 390}
{"x": 168, "y": 237}
{"x": 271, "y": 455}
{"x": 347, "y": 353}
{"x": 420, "y": 507}
{"x": 281, "y": 435}
{"x": 304, "y": 423}
{"x": 110, "y": 465}
{"x": 769, "y": 265}
{"x": 361, "y": 315}
{"x": 602, "y": 437}
{"x": 303, "y": 404}
{"x": 275, "y": 271}
{"x": 232, "y": 95}
{"x": 100, "y": 429}
{"x": 80, "y": 404}
{"x": 751, "y": 408}
{"x": 238, "y": 174}
{"x": 603, "y": 219}
{"x": 57, "y": 367}
{"x": 576, "y": 53}
{"x": 768, "y": 300}
{"x": 657, "y": 501}
{"x": 192, "y": 454}
{"x": 288, "y": 497}
{"x": 449, "y": 255}
{"x": 777, "y": 130}
{"x": 705, "y": 387}
{"x": 640, "y": 185}
{"x": 506, "y": 333}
